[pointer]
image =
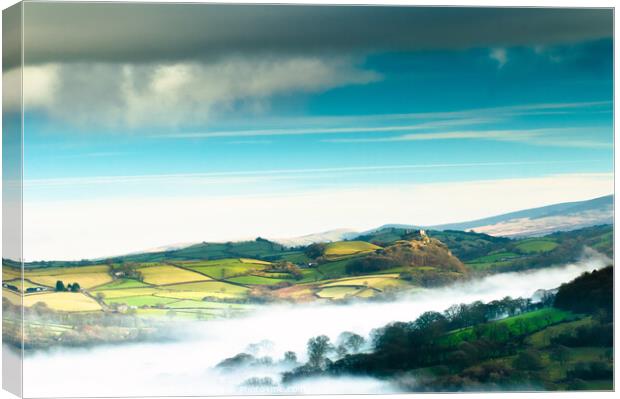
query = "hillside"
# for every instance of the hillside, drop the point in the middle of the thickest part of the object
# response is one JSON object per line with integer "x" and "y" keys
{"x": 217, "y": 279}
{"x": 209, "y": 281}
{"x": 463, "y": 244}
{"x": 558, "y": 344}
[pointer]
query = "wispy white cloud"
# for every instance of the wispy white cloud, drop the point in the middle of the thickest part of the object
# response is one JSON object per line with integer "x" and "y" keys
{"x": 557, "y": 137}
{"x": 385, "y": 123}
{"x": 512, "y": 135}
{"x": 326, "y": 130}
{"x": 265, "y": 175}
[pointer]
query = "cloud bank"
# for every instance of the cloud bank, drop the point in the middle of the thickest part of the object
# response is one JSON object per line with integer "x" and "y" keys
{"x": 142, "y": 95}
{"x": 168, "y": 65}
{"x": 70, "y": 32}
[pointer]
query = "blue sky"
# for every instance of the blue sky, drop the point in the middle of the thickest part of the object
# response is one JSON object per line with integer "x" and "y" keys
{"x": 541, "y": 111}
{"x": 281, "y": 125}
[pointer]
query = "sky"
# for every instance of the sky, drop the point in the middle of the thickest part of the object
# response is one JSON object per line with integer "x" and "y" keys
{"x": 151, "y": 125}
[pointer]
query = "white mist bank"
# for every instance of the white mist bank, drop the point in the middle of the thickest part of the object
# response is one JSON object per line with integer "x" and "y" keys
{"x": 185, "y": 367}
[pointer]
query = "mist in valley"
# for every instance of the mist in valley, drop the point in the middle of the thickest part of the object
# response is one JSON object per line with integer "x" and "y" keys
{"x": 187, "y": 365}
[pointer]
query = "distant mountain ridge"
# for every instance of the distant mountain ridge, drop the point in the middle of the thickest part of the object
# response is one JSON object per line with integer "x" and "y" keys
{"x": 542, "y": 220}
{"x": 533, "y": 222}
{"x": 528, "y": 222}
{"x": 326, "y": 236}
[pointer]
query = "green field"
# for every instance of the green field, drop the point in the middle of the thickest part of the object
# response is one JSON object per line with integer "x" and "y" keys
{"x": 537, "y": 245}
{"x": 543, "y": 338}
{"x": 496, "y": 257}
{"x": 507, "y": 328}
{"x": 143, "y": 300}
{"x": 335, "y": 269}
{"x": 190, "y": 304}
{"x": 125, "y": 292}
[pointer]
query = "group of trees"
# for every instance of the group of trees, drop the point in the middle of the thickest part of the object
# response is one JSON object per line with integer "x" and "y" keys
{"x": 284, "y": 266}
{"x": 599, "y": 284}
{"x": 315, "y": 250}
{"x": 370, "y": 264}
{"x": 320, "y": 349}
{"x": 461, "y": 343}
{"x": 401, "y": 346}
{"x": 409, "y": 345}
{"x": 60, "y": 287}
{"x": 126, "y": 270}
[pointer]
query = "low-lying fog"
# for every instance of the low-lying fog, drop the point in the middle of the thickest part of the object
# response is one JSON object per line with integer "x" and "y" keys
{"x": 185, "y": 367}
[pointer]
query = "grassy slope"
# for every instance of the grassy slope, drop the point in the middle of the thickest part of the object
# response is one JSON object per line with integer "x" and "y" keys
{"x": 246, "y": 272}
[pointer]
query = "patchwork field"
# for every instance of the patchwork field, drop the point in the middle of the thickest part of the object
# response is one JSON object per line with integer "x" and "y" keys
{"x": 166, "y": 274}
{"x": 25, "y": 284}
{"x": 86, "y": 277}
{"x": 226, "y": 268}
{"x": 237, "y": 273}
{"x": 64, "y": 301}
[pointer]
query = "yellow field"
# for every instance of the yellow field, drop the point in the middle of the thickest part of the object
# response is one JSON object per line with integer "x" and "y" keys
{"x": 65, "y": 301}
{"x": 166, "y": 274}
{"x": 9, "y": 273}
{"x": 254, "y": 261}
{"x": 67, "y": 270}
{"x": 343, "y": 248}
{"x": 378, "y": 282}
{"x": 213, "y": 289}
{"x": 338, "y": 292}
{"x": 367, "y": 293}
{"x": 12, "y": 297}
{"x": 85, "y": 280}
{"x": 18, "y": 283}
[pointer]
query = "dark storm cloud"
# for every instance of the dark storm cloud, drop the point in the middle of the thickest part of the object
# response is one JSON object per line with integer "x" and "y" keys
{"x": 67, "y": 32}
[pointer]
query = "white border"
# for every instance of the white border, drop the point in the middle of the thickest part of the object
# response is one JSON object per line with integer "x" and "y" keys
{"x": 479, "y": 3}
